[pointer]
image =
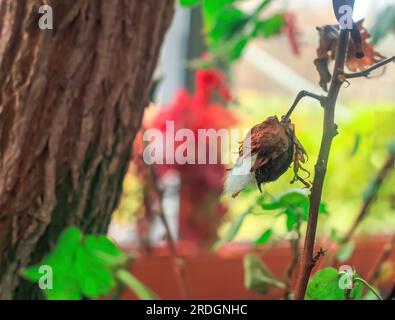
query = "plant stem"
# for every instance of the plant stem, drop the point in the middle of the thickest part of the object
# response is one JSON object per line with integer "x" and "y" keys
{"x": 329, "y": 131}
{"x": 294, "y": 245}
{"x": 178, "y": 261}
{"x": 301, "y": 95}
{"x": 366, "y": 72}
{"x": 369, "y": 287}
{"x": 141, "y": 291}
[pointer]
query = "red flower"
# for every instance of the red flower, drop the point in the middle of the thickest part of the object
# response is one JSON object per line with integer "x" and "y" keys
{"x": 201, "y": 184}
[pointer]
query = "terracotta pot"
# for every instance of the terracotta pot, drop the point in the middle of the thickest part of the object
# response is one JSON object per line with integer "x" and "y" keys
{"x": 221, "y": 275}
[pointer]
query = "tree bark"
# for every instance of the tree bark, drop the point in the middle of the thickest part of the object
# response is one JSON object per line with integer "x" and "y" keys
{"x": 71, "y": 102}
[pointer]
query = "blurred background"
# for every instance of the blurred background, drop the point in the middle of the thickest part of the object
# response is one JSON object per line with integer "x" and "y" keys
{"x": 263, "y": 82}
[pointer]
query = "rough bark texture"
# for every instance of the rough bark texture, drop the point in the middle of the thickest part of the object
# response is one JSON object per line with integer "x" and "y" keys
{"x": 71, "y": 101}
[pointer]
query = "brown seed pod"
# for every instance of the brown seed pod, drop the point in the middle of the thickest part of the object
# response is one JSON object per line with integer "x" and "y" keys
{"x": 270, "y": 148}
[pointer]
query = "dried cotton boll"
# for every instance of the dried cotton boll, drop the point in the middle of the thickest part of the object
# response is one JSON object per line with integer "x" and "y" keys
{"x": 266, "y": 153}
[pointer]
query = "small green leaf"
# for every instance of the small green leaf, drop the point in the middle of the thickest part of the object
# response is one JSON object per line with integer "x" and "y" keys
{"x": 292, "y": 218}
{"x": 102, "y": 248}
{"x": 334, "y": 236}
{"x": 325, "y": 285}
{"x": 323, "y": 209}
{"x": 293, "y": 197}
{"x": 391, "y": 147}
{"x": 80, "y": 266}
{"x": 346, "y": 251}
{"x": 235, "y": 227}
{"x": 385, "y": 23}
{"x": 270, "y": 26}
{"x": 238, "y": 49}
{"x": 211, "y": 10}
{"x": 229, "y": 23}
{"x": 257, "y": 276}
{"x": 356, "y": 145}
{"x": 32, "y": 273}
{"x": 264, "y": 237}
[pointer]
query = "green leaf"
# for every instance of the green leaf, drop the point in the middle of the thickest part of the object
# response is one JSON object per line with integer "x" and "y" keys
{"x": 229, "y": 23}
{"x": 270, "y": 26}
{"x": 189, "y": 3}
{"x": 323, "y": 209}
{"x": 391, "y": 147}
{"x": 356, "y": 145}
{"x": 293, "y": 197}
{"x": 264, "y": 237}
{"x": 236, "y": 52}
{"x": 136, "y": 286}
{"x": 64, "y": 288}
{"x": 211, "y": 10}
{"x": 334, "y": 236}
{"x": 235, "y": 227}
{"x": 80, "y": 266}
{"x": 346, "y": 251}
{"x": 32, "y": 273}
{"x": 292, "y": 218}
{"x": 325, "y": 285}
{"x": 103, "y": 249}
{"x": 385, "y": 23}
{"x": 257, "y": 276}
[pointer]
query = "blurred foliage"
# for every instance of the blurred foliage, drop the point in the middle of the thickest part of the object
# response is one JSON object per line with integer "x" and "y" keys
{"x": 293, "y": 204}
{"x": 385, "y": 23}
{"x": 345, "y": 251}
{"x": 84, "y": 266}
{"x": 229, "y": 29}
{"x": 257, "y": 276}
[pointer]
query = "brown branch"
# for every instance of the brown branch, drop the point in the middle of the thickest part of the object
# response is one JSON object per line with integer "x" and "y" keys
{"x": 301, "y": 95}
{"x": 377, "y": 182}
{"x": 366, "y": 72}
{"x": 179, "y": 265}
{"x": 329, "y": 131}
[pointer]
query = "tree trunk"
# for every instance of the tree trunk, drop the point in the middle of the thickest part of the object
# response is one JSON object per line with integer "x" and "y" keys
{"x": 71, "y": 102}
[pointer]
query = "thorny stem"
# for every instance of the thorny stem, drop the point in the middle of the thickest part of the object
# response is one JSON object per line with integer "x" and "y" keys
{"x": 178, "y": 261}
{"x": 366, "y": 72}
{"x": 329, "y": 131}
